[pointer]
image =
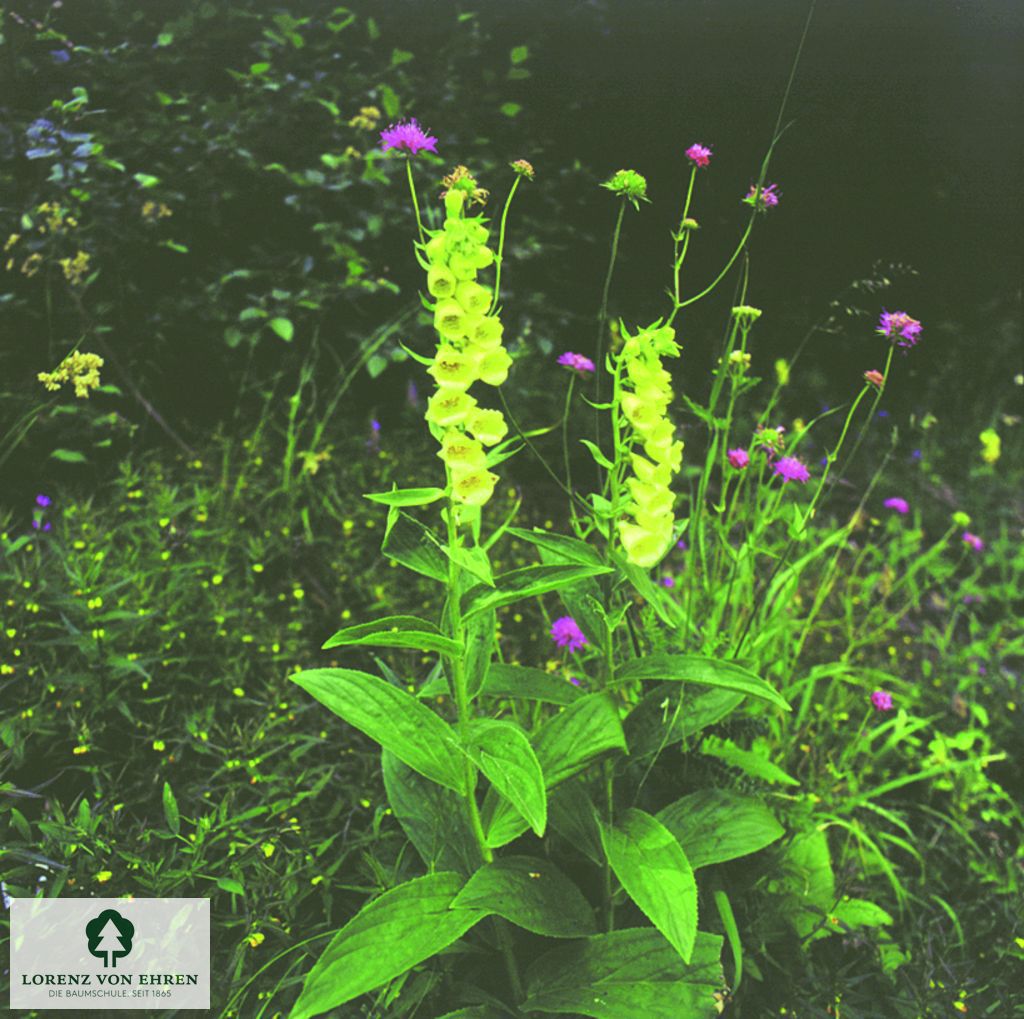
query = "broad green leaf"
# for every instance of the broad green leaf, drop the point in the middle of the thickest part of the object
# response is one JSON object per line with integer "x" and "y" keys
{"x": 669, "y": 611}
{"x": 572, "y": 814}
{"x": 525, "y": 583}
{"x": 807, "y": 884}
{"x": 568, "y": 742}
{"x": 672, "y": 712}
{"x": 528, "y": 683}
{"x": 754, "y": 761}
{"x": 531, "y": 893}
{"x": 479, "y": 639}
{"x": 392, "y": 934}
{"x": 407, "y": 496}
{"x": 474, "y": 561}
{"x": 171, "y": 814}
{"x": 229, "y": 884}
{"x": 283, "y": 327}
{"x": 501, "y": 821}
{"x": 850, "y": 913}
{"x": 705, "y": 671}
{"x": 395, "y": 719}
{"x": 563, "y": 549}
{"x": 626, "y": 974}
{"x": 653, "y": 868}
{"x": 396, "y": 631}
{"x": 502, "y": 752}
{"x": 435, "y": 819}
{"x": 410, "y": 543}
{"x": 715, "y": 825}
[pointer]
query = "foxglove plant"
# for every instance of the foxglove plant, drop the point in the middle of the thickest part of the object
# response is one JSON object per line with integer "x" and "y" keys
{"x": 546, "y": 851}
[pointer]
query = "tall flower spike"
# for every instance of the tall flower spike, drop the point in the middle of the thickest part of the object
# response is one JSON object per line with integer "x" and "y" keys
{"x": 469, "y": 348}
{"x": 644, "y": 401}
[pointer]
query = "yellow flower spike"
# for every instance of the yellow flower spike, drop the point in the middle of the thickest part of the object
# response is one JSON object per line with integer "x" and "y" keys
{"x": 640, "y": 414}
{"x": 489, "y": 426}
{"x": 459, "y": 451}
{"x": 658, "y": 474}
{"x": 452, "y": 369}
{"x": 494, "y": 366}
{"x": 473, "y": 487}
{"x": 449, "y": 407}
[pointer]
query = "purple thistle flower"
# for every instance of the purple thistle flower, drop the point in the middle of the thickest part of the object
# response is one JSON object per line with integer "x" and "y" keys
{"x": 901, "y": 506}
{"x": 668, "y": 582}
{"x": 973, "y": 540}
{"x": 577, "y": 362}
{"x": 408, "y": 136}
{"x": 681, "y": 545}
{"x": 881, "y": 700}
{"x": 767, "y": 198}
{"x": 899, "y": 327}
{"x": 43, "y": 500}
{"x": 566, "y": 633}
{"x": 699, "y": 155}
{"x": 789, "y": 468}
{"x": 738, "y": 458}
{"x": 575, "y": 681}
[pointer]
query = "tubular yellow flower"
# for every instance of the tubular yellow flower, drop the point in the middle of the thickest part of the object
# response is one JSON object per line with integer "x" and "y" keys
{"x": 489, "y": 426}
{"x": 449, "y": 407}
{"x": 441, "y": 281}
{"x": 452, "y": 369}
{"x": 458, "y": 450}
{"x": 494, "y": 366}
{"x": 473, "y": 297}
{"x": 450, "y": 320}
{"x": 473, "y": 487}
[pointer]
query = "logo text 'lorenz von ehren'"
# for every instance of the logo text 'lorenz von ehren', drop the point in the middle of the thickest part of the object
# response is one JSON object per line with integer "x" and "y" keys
{"x": 110, "y": 936}
{"x": 106, "y": 954}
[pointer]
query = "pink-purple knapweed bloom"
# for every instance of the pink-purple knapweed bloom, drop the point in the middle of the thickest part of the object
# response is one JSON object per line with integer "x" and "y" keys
{"x": 881, "y": 700}
{"x": 901, "y": 506}
{"x": 566, "y": 633}
{"x": 668, "y": 581}
{"x": 43, "y": 500}
{"x": 577, "y": 362}
{"x": 738, "y": 458}
{"x": 408, "y": 135}
{"x": 973, "y": 540}
{"x": 789, "y": 468}
{"x": 766, "y": 198}
{"x": 874, "y": 378}
{"x": 899, "y": 327}
{"x": 699, "y": 155}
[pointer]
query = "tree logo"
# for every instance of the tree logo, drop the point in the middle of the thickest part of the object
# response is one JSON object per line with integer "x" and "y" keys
{"x": 110, "y": 937}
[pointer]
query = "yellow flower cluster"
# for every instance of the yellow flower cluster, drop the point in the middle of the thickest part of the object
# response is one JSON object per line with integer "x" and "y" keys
{"x": 366, "y": 119}
{"x": 644, "y": 398}
{"x": 153, "y": 211}
{"x": 991, "y": 445}
{"x": 75, "y": 268}
{"x": 56, "y": 219}
{"x": 469, "y": 348}
{"x": 81, "y": 370}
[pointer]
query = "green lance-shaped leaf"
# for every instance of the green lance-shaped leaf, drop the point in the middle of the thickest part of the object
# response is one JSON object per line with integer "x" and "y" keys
{"x": 653, "y": 869}
{"x": 415, "y": 546}
{"x": 561, "y": 547}
{"x": 435, "y": 819}
{"x": 392, "y": 934}
{"x": 395, "y": 719}
{"x": 171, "y": 814}
{"x": 479, "y": 650}
{"x": 625, "y": 974}
{"x": 754, "y": 761}
{"x": 502, "y": 752}
{"x": 705, "y": 671}
{"x": 407, "y": 496}
{"x": 531, "y": 893}
{"x": 715, "y": 825}
{"x": 569, "y": 741}
{"x": 525, "y": 583}
{"x": 396, "y": 631}
{"x": 528, "y": 683}
{"x": 808, "y": 883}
{"x": 655, "y": 723}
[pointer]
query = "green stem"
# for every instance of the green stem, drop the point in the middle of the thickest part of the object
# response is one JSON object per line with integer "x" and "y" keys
{"x": 462, "y": 704}
{"x": 602, "y": 316}
{"x": 415, "y": 200}
{"x": 501, "y": 243}
{"x": 565, "y": 447}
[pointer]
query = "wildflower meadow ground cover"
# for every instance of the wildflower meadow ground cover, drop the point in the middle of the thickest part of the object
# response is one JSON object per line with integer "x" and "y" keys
{"x": 687, "y": 695}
